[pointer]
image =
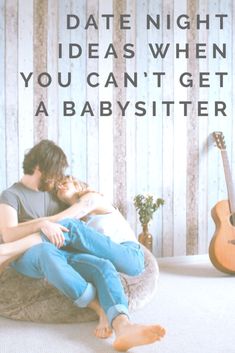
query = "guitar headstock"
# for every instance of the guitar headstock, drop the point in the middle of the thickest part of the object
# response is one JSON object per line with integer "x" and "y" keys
{"x": 219, "y": 140}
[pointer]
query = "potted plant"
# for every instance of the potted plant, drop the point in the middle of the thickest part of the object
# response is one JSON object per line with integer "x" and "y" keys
{"x": 146, "y": 206}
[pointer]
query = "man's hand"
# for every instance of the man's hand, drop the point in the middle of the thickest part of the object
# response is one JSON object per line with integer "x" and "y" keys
{"x": 54, "y": 232}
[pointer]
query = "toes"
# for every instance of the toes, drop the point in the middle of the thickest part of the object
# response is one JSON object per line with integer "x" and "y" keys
{"x": 160, "y": 331}
{"x": 109, "y": 332}
{"x": 103, "y": 332}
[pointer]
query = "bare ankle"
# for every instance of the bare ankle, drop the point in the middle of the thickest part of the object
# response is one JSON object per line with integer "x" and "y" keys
{"x": 120, "y": 321}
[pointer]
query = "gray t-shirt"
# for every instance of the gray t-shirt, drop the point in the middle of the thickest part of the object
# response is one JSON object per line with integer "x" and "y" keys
{"x": 30, "y": 204}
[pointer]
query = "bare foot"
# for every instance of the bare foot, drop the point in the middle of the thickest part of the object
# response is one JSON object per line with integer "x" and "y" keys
{"x": 103, "y": 330}
{"x": 131, "y": 335}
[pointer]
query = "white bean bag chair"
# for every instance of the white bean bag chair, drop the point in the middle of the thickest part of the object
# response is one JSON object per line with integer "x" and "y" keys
{"x": 24, "y": 298}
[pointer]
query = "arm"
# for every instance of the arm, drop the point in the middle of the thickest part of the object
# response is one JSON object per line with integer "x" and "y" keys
{"x": 88, "y": 203}
{"x": 11, "y": 230}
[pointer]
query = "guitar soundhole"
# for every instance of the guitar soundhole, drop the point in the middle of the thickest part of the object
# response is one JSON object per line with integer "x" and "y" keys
{"x": 232, "y": 219}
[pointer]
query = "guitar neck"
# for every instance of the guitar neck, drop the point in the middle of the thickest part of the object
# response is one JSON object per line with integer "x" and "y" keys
{"x": 229, "y": 182}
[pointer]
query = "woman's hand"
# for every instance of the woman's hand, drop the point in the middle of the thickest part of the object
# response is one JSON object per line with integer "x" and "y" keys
{"x": 54, "y": 232}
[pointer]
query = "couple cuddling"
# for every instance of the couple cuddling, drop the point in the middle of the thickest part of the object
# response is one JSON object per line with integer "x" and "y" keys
{"x": 57, "y": 228}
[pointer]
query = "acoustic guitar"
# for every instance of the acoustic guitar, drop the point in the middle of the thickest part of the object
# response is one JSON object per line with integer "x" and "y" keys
{"x": 222, "y": 245}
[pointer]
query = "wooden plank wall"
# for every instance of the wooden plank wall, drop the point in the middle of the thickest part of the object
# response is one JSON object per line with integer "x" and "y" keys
{"x": 170, "y": 157}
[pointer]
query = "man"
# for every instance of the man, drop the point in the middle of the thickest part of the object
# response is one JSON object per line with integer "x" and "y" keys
{"x": 24, "y": 208}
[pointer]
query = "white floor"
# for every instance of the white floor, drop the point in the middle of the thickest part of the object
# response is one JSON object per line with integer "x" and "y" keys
{"x": 195, "y": 303}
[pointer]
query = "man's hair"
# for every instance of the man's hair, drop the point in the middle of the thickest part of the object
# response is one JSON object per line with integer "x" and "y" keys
{"x": 49, "y": 157}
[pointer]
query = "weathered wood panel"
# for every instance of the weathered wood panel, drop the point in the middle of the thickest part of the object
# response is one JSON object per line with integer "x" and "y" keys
{"x": 192, "y": 138}
{"x": 11, "y": 93}
{"x": 25, "y": 62}
{"x": 78, "y": 133}
{"x": 119, "y": 125}
{"x": 92, "y": 153}
{"x": 180, "y": 143}
{"x": 106, "y": 123}
{"x": 3, "y": 176}
{"x": 40, "y": 12}
{"x": 169, "y": 156}
{"x": 52, "y": 69}
{"x": 131, "y": 167}
{"x": 168, "y": 139}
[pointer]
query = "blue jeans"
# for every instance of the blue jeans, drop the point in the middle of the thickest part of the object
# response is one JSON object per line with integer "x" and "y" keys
{"x": 78, "y": 276}
{"x": 127, "y": 257}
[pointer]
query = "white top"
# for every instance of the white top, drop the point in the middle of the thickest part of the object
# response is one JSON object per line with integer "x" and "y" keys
{"x": 113, "y": 225}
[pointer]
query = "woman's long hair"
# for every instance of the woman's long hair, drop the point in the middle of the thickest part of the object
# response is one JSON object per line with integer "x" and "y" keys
{"x": 82, "y": 188}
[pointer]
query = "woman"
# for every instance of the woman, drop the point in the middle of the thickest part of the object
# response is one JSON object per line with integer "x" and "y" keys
{"x": 114, "y": 239}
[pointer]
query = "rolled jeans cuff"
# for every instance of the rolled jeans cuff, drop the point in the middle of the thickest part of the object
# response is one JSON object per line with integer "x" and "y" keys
{"x": 116, "y": 310}
{"x": 87, "y": 296}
